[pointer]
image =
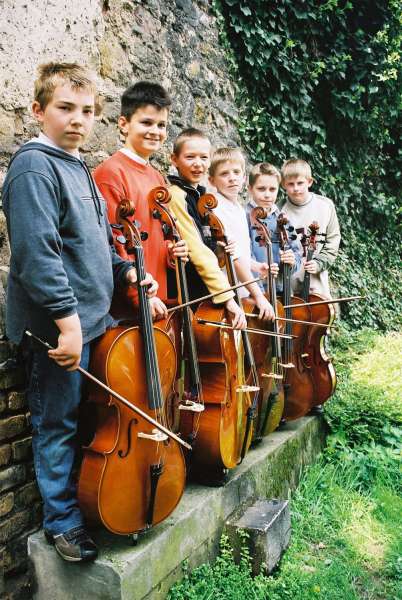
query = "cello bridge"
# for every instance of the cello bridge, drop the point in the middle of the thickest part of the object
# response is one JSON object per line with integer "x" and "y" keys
{"x": 155, "y": 436}
{"x": 272, "y": 375}
{"x": 247, "y": 388}
{"x": 192, "y": 406}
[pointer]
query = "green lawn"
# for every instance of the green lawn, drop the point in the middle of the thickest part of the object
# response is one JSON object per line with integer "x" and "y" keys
{"x": 347, "y": 512}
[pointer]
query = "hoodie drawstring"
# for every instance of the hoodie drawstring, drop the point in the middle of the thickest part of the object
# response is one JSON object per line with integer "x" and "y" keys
{"x": 94, "y": 195}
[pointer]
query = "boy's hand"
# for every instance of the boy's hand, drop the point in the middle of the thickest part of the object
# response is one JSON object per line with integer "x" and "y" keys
{"x": 149, "y": 281}
{"x": 311, "y": 266}
{"x": 265, "y": 308}
{"x": 69, "y": 344}
{"x": 288, "y": 257}
{"x": 178, "y": 250}
{"x": 229, "y": 248}
{"x": 158, "y": 308}
{"x": 263, "y": 269}
{"x": 237, "y": 315}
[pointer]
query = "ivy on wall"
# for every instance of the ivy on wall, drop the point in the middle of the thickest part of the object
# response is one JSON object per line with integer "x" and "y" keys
{"x": 322, "y": 81}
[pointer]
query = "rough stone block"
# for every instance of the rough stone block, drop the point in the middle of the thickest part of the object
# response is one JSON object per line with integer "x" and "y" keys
{"x": 11, "y": 477}
{"x": 26, "y": 495}
{"x": 6, "y": 503}
{"x": 5, "y": 455}
{"x": 12, "y": 426}
{"x": 16, "y": 400}
{"x": 266, "y": 525}
{"x": 22, "y": 449}
{"x": 14, "y": 525}
{"x": 191, "y": 533}
{"x": 15, "y": 554}
{"x": 10, "y": 375}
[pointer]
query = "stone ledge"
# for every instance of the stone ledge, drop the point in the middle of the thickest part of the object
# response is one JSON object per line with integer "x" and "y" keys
{"x": 191, "y": 533}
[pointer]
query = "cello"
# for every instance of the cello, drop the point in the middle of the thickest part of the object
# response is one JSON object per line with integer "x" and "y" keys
{"x": 191, "y": 403}
{"x": 317, "y": 360}
{"x": 132, "y": 475}
{"x": 298, "y": 382}
{"x": 272, "y": 397}
{"x": 205, "y": 207}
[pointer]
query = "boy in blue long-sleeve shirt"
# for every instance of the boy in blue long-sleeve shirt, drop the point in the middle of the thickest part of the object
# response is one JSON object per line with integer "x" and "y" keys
{"x": 63, "y": 270}
{"x": 264, "y": 182}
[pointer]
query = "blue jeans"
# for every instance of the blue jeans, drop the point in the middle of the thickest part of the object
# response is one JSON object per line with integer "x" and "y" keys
{"x": 54, "y": 395}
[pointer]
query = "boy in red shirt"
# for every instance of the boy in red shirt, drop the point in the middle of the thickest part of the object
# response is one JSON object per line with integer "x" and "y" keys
{"x": 128, "y": 175}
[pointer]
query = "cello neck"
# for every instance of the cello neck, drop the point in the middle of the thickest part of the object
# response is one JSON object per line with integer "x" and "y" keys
{"x": 154, "y": 387}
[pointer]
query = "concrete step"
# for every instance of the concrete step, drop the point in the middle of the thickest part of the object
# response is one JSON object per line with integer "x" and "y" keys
{"x": 147, "y": 570}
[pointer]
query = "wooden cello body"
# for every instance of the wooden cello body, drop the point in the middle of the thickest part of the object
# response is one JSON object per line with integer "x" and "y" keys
{"x": 270, "y": 370}
{"x": 317, "y": 360}
{"x": 132, "y": 476}
{"x": 298, "y": 382}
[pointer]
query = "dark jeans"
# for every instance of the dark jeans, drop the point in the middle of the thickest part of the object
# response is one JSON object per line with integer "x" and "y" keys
{"x": 54, "y": 396}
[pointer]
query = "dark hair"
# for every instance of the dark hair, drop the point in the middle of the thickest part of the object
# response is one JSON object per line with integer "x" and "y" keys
{"x": 144, "y": 93}
{"x": 185, "y": 135}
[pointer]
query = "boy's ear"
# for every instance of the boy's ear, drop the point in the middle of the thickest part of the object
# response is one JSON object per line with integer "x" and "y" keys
{"x": 37, "y": 111}
{"x": 123, "y": 124}
{"x": 173, "y": 159}
{"x": 310, "y": 181}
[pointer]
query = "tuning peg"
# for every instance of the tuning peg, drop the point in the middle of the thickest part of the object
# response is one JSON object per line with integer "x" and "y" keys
{"x": 293, "y": 237}
{"x": 144, "y": 235}
{"x": 258, "y": 238}
{"x": 121, "y": 239}
{"x": 291, "y": 228}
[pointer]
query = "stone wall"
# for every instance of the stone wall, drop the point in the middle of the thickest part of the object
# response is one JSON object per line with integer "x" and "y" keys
{"x": 172, "y": 42}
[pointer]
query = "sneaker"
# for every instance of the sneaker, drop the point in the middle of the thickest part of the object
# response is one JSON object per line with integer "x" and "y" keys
{"x": 74, "y": 545}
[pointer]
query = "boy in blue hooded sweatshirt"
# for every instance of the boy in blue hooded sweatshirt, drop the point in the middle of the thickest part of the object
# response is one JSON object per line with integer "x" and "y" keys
{"x": 63, "y": 270}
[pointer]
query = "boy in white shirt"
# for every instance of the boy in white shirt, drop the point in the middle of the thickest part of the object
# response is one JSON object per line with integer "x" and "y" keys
{"x": 227, "y": 176}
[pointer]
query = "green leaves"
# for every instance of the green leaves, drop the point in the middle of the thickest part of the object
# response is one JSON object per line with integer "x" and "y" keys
{"x": 322, "y": 81}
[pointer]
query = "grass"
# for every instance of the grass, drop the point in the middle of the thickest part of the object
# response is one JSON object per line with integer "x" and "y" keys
{"x": 346, "y": 514}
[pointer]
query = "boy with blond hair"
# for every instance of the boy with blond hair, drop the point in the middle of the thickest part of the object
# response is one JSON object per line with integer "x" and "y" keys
{"x": 63, "y": 269}
{"x": 128, "y": 175}
{"x": 263, "y": 186}
{"x": 191, "y": 156}
{"x": 303, "y": 207}
{"x": 227, "y": 176}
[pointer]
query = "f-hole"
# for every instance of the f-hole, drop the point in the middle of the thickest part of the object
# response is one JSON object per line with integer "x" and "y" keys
{"x": 120, "y": 452}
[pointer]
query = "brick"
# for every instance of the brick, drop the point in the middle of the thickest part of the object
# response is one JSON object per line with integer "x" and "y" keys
{"x": 15, "y": 554}
{"x": 37, "y": 514}
{"x": 12, "y": 426}
{"x": 16, "y": 400}
{"x": 6, "y": 503}
{"x": 11, "y": 477}
{"x": 5, "y": 455}
{"x": 7, "y": 350}
{"x": 14, "y": 525}
{"x": 19, "y": 588}
{"x": 3, "y": 402}
{"x": 10, "y": 375}
{"x": 22, "y": 449}
{"x": 26, "y": 495}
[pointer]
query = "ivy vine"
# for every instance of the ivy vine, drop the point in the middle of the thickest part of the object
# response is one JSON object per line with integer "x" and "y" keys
{"x": 322, "y": 81}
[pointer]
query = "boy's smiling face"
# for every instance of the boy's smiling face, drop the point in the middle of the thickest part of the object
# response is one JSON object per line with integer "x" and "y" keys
{"x": 145, "y": 131}
{"x": 68, "y": 117}
{"x": 297, "y": 188}
{"x": 193, "y": 160}
{"x": 265, "y": 190}
{"x": 228, "y": 179}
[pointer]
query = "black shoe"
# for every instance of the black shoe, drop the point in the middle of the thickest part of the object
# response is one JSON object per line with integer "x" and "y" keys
{"x": 75, "y": 545}
{"x": 316, "y": 410}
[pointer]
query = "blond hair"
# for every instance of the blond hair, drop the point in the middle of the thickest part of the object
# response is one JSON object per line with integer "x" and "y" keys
{"x": 222, "y": 155}
{"x": 295, "y": 167}
{"x": 186, "y": 135}
{"x": 55, "y": 74}
{"x": 263, "y": 169}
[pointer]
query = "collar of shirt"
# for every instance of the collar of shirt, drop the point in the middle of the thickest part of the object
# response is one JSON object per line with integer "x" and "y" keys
{"x": 274, "y": 208}
{"x": 46, "y": 141}
{"x": 135, "y": 157}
